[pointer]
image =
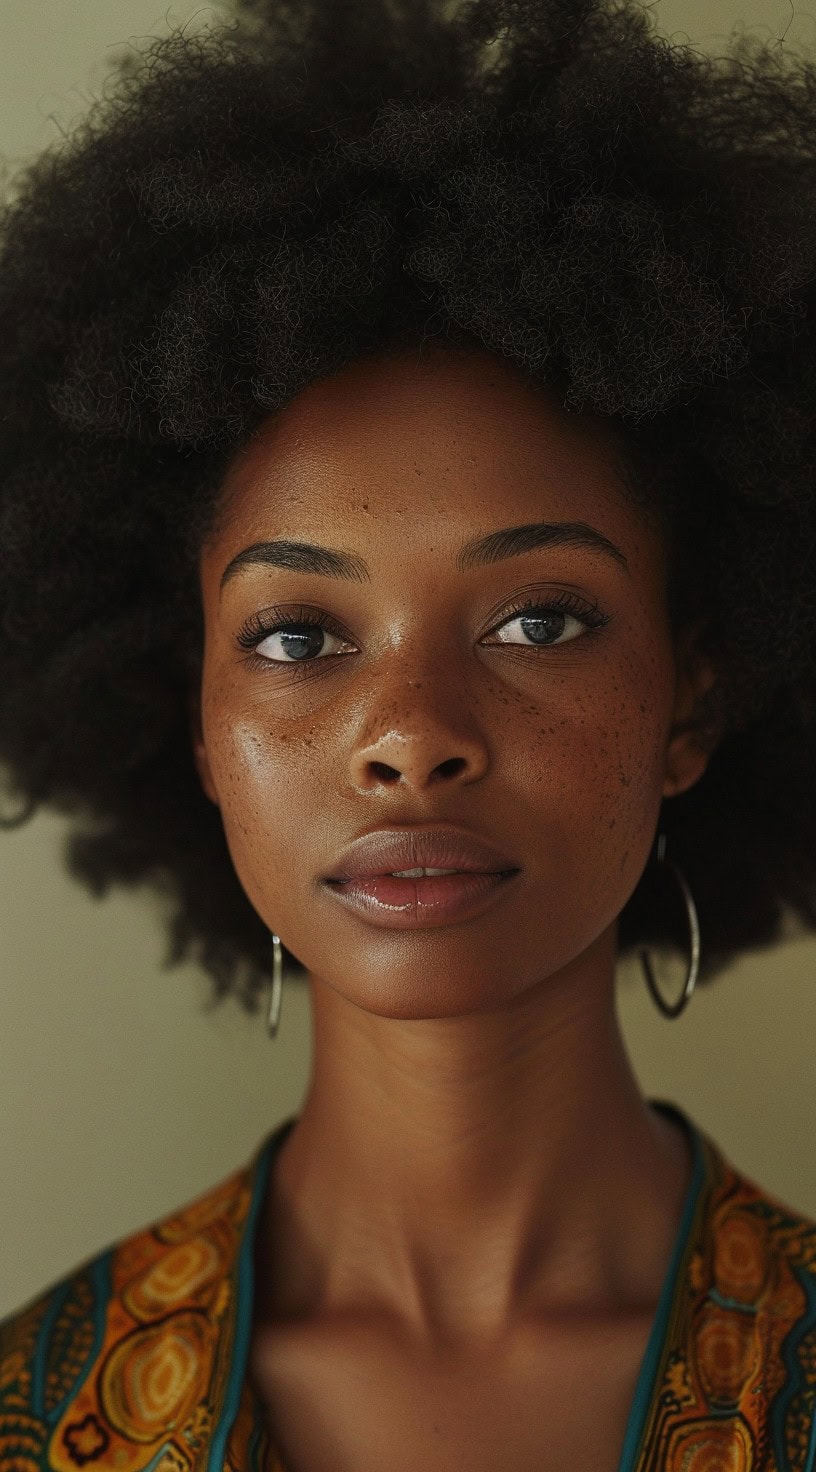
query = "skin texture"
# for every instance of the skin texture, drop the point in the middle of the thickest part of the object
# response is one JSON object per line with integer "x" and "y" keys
{"x": 471, "y": 1100}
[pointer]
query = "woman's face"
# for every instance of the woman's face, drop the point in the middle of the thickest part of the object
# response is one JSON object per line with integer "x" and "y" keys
{"x": 428, "y": 697}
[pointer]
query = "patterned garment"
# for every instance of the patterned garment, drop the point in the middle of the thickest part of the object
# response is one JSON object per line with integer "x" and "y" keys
{"x": 137, "y": 1359}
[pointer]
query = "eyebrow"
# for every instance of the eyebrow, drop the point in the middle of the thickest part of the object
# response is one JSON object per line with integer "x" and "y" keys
{"x": 509, "y": 541}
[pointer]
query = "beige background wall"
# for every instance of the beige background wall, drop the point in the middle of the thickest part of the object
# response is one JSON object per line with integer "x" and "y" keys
{"x": 120, "y": 1098}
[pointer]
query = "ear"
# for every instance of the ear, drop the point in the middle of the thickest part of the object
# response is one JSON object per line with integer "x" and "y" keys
{"x": 691, "y": 743}
{"x": 200, "y": 758}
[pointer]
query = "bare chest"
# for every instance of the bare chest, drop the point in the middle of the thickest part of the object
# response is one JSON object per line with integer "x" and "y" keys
{"x": 357, "y": 1400}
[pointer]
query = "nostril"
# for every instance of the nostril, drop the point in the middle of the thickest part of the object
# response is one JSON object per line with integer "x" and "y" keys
{"x": 383, "y": 770}
{"x": 451, "y": 765}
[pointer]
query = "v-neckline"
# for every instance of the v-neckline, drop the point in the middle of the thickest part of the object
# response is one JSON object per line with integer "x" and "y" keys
{"x": 650, "y": 1372}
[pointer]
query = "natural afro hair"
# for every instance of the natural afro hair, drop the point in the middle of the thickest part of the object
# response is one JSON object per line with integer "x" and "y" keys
{"x": 253, "y": 206}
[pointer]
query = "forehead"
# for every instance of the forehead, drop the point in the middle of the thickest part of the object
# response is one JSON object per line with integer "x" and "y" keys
{"x": 399, "y": 437}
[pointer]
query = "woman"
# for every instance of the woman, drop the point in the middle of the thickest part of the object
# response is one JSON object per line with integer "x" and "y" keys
{"x": 408, "y": 469}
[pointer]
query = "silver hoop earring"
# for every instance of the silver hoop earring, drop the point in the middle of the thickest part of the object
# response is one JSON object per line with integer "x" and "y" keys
{"x": 675, "y": 1008}
{"x": 277, "y": 985}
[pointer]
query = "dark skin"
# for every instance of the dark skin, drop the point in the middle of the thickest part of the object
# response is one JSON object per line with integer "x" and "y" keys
{"x": 471, "y": 1100}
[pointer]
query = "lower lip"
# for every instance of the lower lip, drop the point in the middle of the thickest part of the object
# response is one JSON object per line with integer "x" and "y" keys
{"x": 414, "y": 904}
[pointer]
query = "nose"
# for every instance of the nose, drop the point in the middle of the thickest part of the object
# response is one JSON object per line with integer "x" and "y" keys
{"x": 418, "y": 738}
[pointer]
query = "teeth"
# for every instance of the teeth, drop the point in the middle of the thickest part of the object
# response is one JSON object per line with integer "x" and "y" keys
{"x": 419, "y": 873}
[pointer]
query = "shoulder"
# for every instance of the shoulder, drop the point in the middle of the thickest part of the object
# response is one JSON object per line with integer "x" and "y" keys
{"x": 753, "y": 1234}
{"x": 124, "y": 1345}
{"x": 741, "y": 1369}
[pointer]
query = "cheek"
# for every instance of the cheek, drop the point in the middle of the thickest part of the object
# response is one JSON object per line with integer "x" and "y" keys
{"x": 266, "y": 792}
{"x": 605, "y": 733}
{"x": 593, "y": 766}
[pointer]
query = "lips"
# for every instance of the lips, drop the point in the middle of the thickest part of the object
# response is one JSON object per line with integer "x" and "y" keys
{"x": 389, "y": 851}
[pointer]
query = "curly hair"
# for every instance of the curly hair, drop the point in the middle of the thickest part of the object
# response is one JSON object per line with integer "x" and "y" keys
{"x": 250, "y": 207}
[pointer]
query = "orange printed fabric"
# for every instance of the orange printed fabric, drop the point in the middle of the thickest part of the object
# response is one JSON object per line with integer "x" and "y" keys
{"x": 736, "y": 1385}
{"x": 136, "y": 1361}
{"x": 125, "y": 1364}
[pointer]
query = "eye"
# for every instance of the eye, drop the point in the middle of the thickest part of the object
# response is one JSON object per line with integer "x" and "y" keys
{"x": 301, "y": 638}
{"x": 306, "y": 640}
{"x": 542, "y": 624}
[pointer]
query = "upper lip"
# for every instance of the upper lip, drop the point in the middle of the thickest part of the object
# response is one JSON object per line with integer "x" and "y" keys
{"x": 439, "y": 847}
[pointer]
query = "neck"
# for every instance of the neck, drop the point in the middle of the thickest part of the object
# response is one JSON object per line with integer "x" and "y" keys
{"x": 467, "y": 1173}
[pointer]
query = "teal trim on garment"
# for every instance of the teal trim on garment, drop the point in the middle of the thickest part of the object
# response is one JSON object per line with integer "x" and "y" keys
{"x": 252, "y": 1449}
{"x": 245, "y": 1291}
{"x": 99, "y": 1272}
{"x": 795, "y": 1379}
{"x": 645, "y": 1387}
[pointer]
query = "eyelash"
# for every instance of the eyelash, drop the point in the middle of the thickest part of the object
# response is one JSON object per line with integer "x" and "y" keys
{"x": 260, "y": 626}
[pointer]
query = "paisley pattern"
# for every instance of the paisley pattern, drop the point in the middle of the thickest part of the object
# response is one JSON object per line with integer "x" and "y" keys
{"x": 136, "y": 1361}
{"x": 736, "y": 1391}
